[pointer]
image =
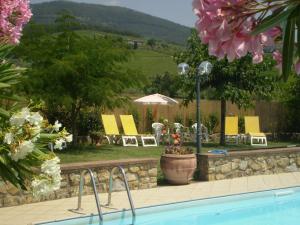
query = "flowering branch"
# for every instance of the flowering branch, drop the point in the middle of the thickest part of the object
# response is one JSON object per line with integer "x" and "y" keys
{"x": 14, "y": 14}
{"x": 233, "y": 28}
{"x": 25, "y": 144}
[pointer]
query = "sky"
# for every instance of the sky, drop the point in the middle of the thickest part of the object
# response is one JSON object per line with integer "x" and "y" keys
{"x": 178, "y": 11}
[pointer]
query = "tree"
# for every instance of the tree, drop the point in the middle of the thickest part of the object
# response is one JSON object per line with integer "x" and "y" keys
{"x": 151, "y": 42}
{"x": 71, "y": 72}
{"x": 165, "y": 84}
{"x": 240, "y": 81}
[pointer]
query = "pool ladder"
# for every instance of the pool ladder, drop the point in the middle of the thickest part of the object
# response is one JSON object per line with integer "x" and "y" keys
{"x": 93, "y": 183}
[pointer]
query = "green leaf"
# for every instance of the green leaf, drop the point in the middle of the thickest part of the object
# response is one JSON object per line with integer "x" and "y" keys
{"x": 288, "y": 48}
{"x": 4, "y": 85}
{"x": 4, "y": 113}
{"x": 10, "y": 77}
{"x": 273, "y": 20}
{"x": 12, "y": 97}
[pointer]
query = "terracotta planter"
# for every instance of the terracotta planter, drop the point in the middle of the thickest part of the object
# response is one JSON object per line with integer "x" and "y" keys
{"x": 178, "y": 169}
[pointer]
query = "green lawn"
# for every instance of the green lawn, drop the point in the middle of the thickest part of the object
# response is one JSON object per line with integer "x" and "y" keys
{"x": 112, "y": 152}
{"x": 151, "y": 63}
{"x": 147, "y": 61}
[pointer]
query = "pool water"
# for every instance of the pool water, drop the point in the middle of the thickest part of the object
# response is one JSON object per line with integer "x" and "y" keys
{"x": 274, "y": 207}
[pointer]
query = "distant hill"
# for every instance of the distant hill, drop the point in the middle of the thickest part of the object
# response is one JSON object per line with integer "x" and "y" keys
{"x": 115, "y": 18}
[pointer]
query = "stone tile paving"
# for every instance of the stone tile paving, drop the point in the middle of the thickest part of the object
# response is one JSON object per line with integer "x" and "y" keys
{"x": 63, "y": 208}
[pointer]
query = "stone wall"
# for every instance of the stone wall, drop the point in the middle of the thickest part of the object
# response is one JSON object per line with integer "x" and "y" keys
{"x": 248, "y": 163}
{"x": 141, "y": 174}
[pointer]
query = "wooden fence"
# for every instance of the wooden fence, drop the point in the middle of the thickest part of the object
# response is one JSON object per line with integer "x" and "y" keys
{"x": 271, "y": 113}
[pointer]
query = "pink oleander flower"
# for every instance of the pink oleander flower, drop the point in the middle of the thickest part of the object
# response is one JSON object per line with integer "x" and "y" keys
{"x": 14, "y": 14}
{"x": 277, "y": 56}
{"x": 223, "y": 25}
{"x": 297, "y": 67}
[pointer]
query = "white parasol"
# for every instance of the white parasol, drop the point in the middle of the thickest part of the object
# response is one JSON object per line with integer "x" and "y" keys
{"x": 156, "y": 99}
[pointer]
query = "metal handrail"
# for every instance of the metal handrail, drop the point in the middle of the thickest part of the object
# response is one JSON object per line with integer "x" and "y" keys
{"x": 94, "y": 190}
{"x": 126, "y": 186}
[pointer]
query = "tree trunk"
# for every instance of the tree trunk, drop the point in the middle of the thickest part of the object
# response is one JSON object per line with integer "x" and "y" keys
{"x": 223, "y": 114}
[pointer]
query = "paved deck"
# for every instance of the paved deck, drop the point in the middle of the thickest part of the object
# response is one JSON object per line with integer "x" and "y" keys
{"x": 61, "y": 209}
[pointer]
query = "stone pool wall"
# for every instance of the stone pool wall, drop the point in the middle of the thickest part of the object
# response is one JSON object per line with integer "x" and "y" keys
{"x": 248, "y": 163}
{"x": 141, "y": 174}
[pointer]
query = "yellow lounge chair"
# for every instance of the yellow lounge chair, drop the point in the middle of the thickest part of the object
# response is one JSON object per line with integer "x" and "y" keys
{"x": 110, "y": 127}
{"x": 232, "y": 128}
{"x": 131, "y": 133}
{"x": 253, "y": 130}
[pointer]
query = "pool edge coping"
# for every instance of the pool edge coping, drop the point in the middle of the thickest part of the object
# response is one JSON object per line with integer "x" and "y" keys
{"x": 166, "y": 204}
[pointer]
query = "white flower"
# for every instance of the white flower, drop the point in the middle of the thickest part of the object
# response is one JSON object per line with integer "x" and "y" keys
{"x": 59, "y": 144}
{"x": 35, "y": 133}
{"x": 51, "y": 167}
{"x": 56, "y": 182}
{"x": 40, "y": 187}
{"x": 8, "y": 138}
{"x": 22, "y": 150}
{"x": 56, "y": 126}
{"x": 49, "y": 180}
{"x": 19, "y": 118}
{"x": 35, "y": 119}
{"x": 43, "y": 186}
{"x": 69, "y": 138}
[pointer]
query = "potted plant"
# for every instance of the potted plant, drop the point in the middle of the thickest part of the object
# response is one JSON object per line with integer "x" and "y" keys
{"x": 178, "y": 163}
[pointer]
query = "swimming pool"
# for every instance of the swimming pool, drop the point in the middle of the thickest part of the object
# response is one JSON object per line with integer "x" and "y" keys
{"x": 274, "y": 207}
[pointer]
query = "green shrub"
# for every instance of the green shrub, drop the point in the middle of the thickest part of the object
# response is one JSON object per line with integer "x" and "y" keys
{"x": 149, "y": 120}
{"x": 211, "y": 122}
{"x": 89, "y": 122}
{"x": 178, "y": 119}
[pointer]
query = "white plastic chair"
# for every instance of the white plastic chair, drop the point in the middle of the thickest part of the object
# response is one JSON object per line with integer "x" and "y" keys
{"x": 157, "y": 128}
{"x": 204, "y": 131}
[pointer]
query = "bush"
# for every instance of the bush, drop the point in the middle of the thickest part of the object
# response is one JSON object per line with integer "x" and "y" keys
{"x": 190, "y": 120}
{"x": 292, "y": 101}
{"x": 166, "y": 84}
{"x": 178, "y": 119}
{"x": 211, "y": 122}
{"x": 89, "y": 122}
{"x": 149, "y": 120}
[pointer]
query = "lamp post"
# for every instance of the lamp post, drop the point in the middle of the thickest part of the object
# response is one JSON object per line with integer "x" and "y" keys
{"x": 204, "y": 68}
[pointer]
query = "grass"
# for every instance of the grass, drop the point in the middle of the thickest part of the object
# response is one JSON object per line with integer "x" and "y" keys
{"x": 113, "y": 152}
{"x": 147, "y": 61}
{"x": 151, "y": 63}
{"x": 107, "y": 152}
